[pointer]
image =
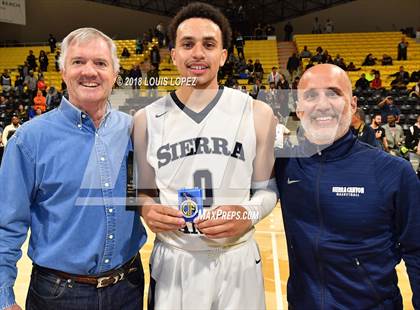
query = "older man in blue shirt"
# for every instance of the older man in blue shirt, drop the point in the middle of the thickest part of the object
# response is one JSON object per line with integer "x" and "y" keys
{"x": 64, "y": 176}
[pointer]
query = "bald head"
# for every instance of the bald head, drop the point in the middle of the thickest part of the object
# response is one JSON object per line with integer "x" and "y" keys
{"x": 325, "y": 76}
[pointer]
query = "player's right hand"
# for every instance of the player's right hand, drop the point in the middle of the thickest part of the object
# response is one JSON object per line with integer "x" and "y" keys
{"x": 161, "y": 218}
{"x": 14, "y": 307}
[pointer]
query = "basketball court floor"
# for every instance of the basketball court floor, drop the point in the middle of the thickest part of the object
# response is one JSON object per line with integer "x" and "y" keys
{"x": 271, "y": 239}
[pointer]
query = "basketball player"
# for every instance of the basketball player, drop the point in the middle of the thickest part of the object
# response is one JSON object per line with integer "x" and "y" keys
{"x": 221, "y": 141}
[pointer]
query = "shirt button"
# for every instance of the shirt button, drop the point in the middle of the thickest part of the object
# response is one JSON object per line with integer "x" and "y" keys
{"x": 106, "y": 184}
{"x": 111, "y": 210}
{"x": 107, "y": 261}
{"x": 102, "y": 158}
{"x": 79, "y": 125}
{"x": 111, "y": 236}
{"x": 83, "y": 115}
{"x": 96, "y": 134}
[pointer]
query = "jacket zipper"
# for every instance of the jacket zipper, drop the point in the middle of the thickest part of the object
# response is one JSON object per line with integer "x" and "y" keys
{"x": 321, "y": 224}
{"x": 369, "y": 281}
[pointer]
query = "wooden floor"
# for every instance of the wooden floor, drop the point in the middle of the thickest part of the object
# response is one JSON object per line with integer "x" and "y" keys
{"x": 272, "y": 243}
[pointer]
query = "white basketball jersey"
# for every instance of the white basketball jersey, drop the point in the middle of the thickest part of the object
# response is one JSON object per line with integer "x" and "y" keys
{"x": 213, "y": 150}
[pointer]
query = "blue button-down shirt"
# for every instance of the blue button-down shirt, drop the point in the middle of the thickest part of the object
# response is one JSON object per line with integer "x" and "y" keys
{"x": 66, "y": 180}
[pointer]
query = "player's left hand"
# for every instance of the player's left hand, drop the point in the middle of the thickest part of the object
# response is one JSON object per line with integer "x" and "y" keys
{"x": 224, "y": 221}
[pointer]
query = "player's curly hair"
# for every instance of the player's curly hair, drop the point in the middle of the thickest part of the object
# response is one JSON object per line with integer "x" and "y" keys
{"x": 201, "y": 10}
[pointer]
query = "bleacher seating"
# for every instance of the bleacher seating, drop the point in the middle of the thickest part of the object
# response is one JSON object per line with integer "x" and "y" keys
{"x": 354, "y": 47}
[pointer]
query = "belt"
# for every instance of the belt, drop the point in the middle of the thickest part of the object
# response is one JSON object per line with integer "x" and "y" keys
{"x": 100, "y": 281}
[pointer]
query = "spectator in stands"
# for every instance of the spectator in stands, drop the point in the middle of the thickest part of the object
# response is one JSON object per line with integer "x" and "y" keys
{"x": 239, "y": 44}
{"x": 288, "y": 30}
{"x": 413, "y": 136}
{"x": 160, "y": 34}
{"x": 326, "y": 56}
{"x": 250, "y": 66}
{"x": 342, "y": 64}
{"x": 394, "y": 135}
{"x": 6, "y": 81}
{"x": 282, "y": 83}
{"x": 369, "y": 60}
{"x": 227, "y": 68}
{"x": 31, "y": 60}
{"x": 310, "y": 64}
{"x": 38, "y": 112}
{"x": 305, "y": 53}
{"x": 255, "y": 89}
{"x": 283, "y": 96}
{"x": 386, "y": 60}
{"x": 412, "y": 142}
{"x": 352, "y": 67}
{"x": 22, "y": 113}
{"x": 328, "y": 59}
{"x": 241, "y": 68}
{"x": 52, "y": 42}
{"x": 402, "y": 78}
{"x": 258, "y": 32}
{"x": 329, "y": 26}
{"x": 274, "y": 76}
{"x": 269, "y": 30}
{"x": 386, "y": 107}
{"x": 230, "y": 81}
{"x": 53, "y": 98}
{"x": 125, "y": 53}
{"x": 19, "y": 85}
{"x": 31, "y": 83}
{"x": 155, "y": 57}
{"x": 376, "y": 82}
{"x": 43, "y": 61}
{"x": 402, "y": 49}
{"x": 258, "y": 69}
{"x": 25, "y": 69}
{"x": 318, "y": 57}
{"x": 262, "y": 95}
{"x": 41, "y": 85}
{"x": 10, "y": 129}
{"x": 415, "y": 76}
{"x": 135, "y": 74}
{"x": 336, "y": 59}
{"x": 40, "y": 102}
{"x": 272, "y": 97}
{"x": 362, "y": 131}
{"x": 362, "y": 83}
{"x": 282, "y": 133}
{"x": 415, "y": 91}
{"x": 294, "y": 90}
{"x": 293, "y": 65}
{"x": 243, "y": 89}
{"x": 316, "y": 26}
{"x": 379, "y": 131}
{"x": 139, "y": 46}
{"x": 152, "y": 81}
{"x": 57, "y": 57}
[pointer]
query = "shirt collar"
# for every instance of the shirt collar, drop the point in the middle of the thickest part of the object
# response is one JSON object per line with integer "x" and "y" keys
{"x": 75, "y": 115}
{"x": 338, "y": 149}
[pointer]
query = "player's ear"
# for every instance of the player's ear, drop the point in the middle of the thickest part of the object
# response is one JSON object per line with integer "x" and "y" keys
{"x": 173, "y": 55}
{"x": 299, "y": 110}
{"x": 223, "y": 57}
{"x": 353, "y": 104}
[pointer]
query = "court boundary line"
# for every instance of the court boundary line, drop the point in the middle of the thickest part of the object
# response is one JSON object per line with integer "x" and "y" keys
{"x": 277, "y": 279}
